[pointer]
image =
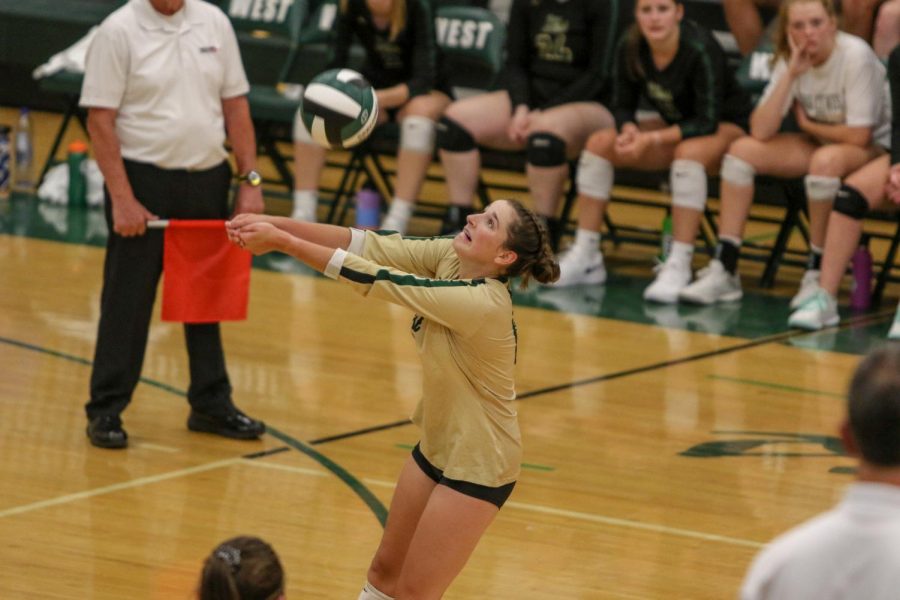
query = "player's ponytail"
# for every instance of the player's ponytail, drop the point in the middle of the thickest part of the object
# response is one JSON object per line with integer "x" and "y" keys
{"x": 529, "y": 239}
{"x": 242, "y": 568}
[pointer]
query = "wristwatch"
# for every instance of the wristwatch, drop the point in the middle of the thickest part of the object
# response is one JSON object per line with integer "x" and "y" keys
{"x": 251, "y": 178}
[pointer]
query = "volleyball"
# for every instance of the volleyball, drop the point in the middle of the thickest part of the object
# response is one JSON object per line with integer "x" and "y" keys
{"x": 339, "y": 108}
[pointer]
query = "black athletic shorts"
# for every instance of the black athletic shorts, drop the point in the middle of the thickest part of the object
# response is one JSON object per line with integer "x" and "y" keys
{"x": 495, "y": 495}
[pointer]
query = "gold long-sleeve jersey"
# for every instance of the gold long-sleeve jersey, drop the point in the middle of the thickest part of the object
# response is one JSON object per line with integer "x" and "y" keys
{"x": 466, "y": 337}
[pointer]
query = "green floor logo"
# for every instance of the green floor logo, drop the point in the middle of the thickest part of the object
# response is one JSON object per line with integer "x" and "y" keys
{"x": 771, "y": 444}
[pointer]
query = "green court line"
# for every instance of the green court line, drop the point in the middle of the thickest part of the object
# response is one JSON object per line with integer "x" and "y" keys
{"x": 530, "y": 466}
{"x": 352, "y": 482}
{"x": 775, "y": 386}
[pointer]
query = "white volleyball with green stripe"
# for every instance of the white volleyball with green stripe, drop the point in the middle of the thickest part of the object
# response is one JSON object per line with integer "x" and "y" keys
{"x": 339, "y": 108}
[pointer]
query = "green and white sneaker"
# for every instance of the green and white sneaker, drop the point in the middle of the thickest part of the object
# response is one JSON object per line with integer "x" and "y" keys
{"x": 809, "y": 284}
{"x": 894, "y": 333}
{"x": 818, "y": 311}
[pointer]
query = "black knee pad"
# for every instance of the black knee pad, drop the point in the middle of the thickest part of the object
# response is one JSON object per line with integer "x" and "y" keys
{"x": 546, "y": 150}
{"x": 850, "y": 202}
{"x": 453, "y": 137}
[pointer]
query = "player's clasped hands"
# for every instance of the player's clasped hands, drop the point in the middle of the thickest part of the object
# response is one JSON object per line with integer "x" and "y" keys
{"x": 253, "y": 232}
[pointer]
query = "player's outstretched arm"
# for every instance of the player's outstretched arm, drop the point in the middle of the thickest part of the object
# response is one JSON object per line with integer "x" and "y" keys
{"x": 330, "y": 236}
{"x": 261, "y": 236}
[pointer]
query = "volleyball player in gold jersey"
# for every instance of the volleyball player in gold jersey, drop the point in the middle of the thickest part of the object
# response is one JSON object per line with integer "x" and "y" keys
{"x": 468, "y": 457}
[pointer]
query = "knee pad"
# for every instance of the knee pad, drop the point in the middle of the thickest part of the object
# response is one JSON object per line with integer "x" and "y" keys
{"x": 850, "y": 202}
{"x": 687, "y": 180}
{"x": 301, "y": 134}
{"x": 820, "y": 188}
{"x": 417, "y": 134}
{"x": 453, "y": 137}
{"x": 737, "y": 171}
{"x": 595, "y": 176}
{"x": 546, "y": 150}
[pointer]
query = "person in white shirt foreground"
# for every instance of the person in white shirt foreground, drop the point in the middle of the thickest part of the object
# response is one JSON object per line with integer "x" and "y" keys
{"x": 853, "y": 550}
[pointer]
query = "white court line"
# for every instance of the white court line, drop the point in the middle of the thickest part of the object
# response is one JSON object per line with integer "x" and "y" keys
{"x": 688, "y": 533}
{"x": 558, "y": 512}
{"x": 279, "y": 467}
{"x": 152, "y": 446}
{"x": 125, "y": 485}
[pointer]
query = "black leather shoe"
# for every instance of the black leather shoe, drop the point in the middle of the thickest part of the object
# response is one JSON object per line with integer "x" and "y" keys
{"x": 107, "y": 432}
{"x": 234, "y": 424}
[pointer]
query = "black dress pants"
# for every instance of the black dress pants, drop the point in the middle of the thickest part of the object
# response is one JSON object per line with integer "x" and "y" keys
{"x": 131, "y": 275}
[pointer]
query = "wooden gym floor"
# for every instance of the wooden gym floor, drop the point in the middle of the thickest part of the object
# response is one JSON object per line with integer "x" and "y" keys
{"x": 663, "y": 446}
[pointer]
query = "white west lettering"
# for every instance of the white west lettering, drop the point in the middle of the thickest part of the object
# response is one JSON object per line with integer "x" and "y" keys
{"x": 239, "y": 8}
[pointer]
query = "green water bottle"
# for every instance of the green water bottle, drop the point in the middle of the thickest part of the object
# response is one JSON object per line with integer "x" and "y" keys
{"x": 666, "y": 238}
{"x": 77, "y": 180}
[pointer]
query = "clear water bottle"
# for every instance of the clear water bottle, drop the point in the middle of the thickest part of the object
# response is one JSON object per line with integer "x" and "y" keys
{"x": 861, "y": 288}
{"x": 23, "y": 178}
{"x": 368, "y": 208}
{"x": 4, "y": 161}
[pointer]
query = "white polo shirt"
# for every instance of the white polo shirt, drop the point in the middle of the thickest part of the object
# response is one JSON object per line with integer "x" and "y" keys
{"x": 166, "y": 77}
{"x": 851, "y": 552}
{"x": 849, "y": 88}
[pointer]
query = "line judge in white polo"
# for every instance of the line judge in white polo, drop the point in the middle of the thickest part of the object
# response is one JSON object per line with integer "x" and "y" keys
{"x": 164, "y": 85}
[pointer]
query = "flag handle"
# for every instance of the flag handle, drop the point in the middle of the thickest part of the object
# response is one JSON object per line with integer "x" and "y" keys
{"x": 189, "y": 223}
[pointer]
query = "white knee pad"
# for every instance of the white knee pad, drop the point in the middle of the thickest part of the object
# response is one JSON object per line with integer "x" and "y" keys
{"x": 737, "y": 171}
{"x": 687, "y": 179}
{"x": 820, "y": 188}
{"x": 301, "y": 134}
{"x": 595, "y": 176}
{"x": 417, "y": 134}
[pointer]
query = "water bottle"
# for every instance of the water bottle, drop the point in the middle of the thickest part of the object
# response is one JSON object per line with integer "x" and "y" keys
{"x": 77, "y": 179}
{"x": 368, "y": 208}
{"x": 861, "y": 288}
{"x": 23, "y": 178}
{"x": 666, "y": 238}
{"x": 4, "y": 161}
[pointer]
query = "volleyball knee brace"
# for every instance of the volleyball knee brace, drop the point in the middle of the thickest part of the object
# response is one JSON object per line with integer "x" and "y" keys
{"x": 417, "y": 134}
{"x": 820, "y": 188}
{"x": 595, "y": 176}
{"x": 453, "y": 137}
{"x": 737, "y": 171}
{"x": 301, "y": 134}
{"x": 546, "y": 150}
{"x": 687, "y": 179}
{"x": 848, "y": 201}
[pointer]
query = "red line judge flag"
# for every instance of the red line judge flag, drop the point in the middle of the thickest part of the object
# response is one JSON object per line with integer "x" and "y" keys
{"x": 206, "y": 278}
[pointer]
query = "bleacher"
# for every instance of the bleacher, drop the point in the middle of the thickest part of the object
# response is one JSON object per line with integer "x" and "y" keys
{"x": 284, "y": 48}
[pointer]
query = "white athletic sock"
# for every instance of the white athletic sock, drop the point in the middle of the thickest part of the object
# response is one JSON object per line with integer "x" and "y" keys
{"x": 586, "y": 241}
{"x": 681, "y": 252}
{"x": 306, "y": 203}
{"x": 370, "y": 592}
{"x": 400, "y": 209}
